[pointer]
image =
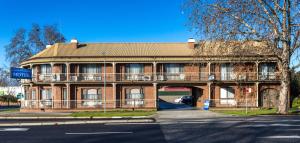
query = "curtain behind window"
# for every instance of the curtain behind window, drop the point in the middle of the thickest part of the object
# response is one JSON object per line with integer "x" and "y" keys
{"x": 174, "y": 68}
{"x": 46, "y": 69}
{"x": 90, "y": 68}
{"x": 135, "y": 68}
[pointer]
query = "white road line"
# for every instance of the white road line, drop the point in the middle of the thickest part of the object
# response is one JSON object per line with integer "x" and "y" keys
{"x": 97, "y": 133}
{"x": 268, "y": 125}
{"x": 289, "y": 129}
{"x": 131, "y": 124}
{"x": 13, "y": 129}
{"x": 281, "y": 137}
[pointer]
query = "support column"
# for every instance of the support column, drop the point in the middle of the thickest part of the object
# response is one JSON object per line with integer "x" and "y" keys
{"x": 68, "y": 95}
{"x": 32, "y": 74}
{"x": 257, "y": 70}
{"x": 257, "y": 94}
{"x": 114, "y": 71}
{"x": 52, "y": 94}
{"x": 209, "y": 70}
{"x": 209, "y": 90}
{"x": 155, "y": 94}
{"x": 154, "y": 71}
{"x": 114, "y": 94}
{"x": 68, "y": 71}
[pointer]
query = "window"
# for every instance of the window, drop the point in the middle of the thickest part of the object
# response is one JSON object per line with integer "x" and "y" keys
{"x": 46, "y": 69}
{"x": 174, "y": 72}
{"x": 134, "y": 96}
{"x": 64, "y": 96}
{"x": 227, "y": 72}
{"x": 33, "y": 94}
{"x": 63, "y": 68}
{"x": 90, "y": 68}
{"x": 267, "y": 71}
{"x": 46, "y": 97}
{"x": 90, "y": 72}
{"x": 134, "y": 71}
{"x": 91, "y": 97}
{"x": 174, "y": 68}
{"x": 203, "y": 72}
{"x": 227, "y": 96}
{"x": 46, "y": 94}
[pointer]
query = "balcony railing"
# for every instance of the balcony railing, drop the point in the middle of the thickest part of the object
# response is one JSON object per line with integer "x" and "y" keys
{"x": 87, "y": 104}
{"x": 187, "y": 76}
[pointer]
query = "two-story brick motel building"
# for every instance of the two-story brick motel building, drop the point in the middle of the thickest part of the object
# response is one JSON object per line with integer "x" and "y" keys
{"x": 90, "y": 76}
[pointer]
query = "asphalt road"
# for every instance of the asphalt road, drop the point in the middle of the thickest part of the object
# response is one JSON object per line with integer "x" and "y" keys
{"x": 194, "y": 130}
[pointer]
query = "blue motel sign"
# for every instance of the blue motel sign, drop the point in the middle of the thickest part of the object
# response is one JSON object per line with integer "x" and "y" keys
{"x": 20, "y": 73}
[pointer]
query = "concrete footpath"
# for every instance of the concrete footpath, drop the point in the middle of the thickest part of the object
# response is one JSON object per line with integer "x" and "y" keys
{"x": 46, "y": 118}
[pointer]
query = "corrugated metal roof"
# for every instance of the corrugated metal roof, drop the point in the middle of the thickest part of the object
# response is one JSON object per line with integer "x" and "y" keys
{"x": 117, "y": 49}
{"x": 142, "y": 51}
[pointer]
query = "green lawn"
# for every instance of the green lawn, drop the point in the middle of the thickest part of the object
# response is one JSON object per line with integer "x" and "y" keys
{"x": 10, "y": 110}
{"x": 295, "y": 106}
{"x": 112, "y": 113}
{"x": 252, "y": 112}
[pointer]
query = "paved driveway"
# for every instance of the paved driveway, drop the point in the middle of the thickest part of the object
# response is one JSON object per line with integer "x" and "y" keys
{"x": 187, "y": 114}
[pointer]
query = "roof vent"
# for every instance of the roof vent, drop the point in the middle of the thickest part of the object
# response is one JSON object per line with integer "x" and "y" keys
{"x": 191, "y": 43}
{"x": 48, "y": 46}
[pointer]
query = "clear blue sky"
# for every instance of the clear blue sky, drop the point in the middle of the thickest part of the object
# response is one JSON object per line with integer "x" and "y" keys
{"x": 98, "y": 20}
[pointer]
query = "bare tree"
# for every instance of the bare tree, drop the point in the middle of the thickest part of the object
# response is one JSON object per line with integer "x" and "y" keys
{"x": 23, "y": 45}
{"x": 276, "y": 23}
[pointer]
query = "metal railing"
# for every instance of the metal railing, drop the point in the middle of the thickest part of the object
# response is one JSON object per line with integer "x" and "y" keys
{"x": 87, "y": 104}
{"x": 231, "y": 102}
{"x": 184, "y": 76}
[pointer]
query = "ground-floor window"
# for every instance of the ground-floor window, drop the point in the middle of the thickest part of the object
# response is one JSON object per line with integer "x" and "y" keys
{"x": 46, "y": 97}
{"x": 134, "y": 96}
{"x": 64, "y": 96}
{"x": 33, "y": 94}
{"x": 91, "y": 96}
{"x": 227, "y": 96}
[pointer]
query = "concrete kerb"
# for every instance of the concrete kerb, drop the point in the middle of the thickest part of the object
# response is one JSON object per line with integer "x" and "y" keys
{"x": 45, "y": 123}
{"x": 114, "y": 117}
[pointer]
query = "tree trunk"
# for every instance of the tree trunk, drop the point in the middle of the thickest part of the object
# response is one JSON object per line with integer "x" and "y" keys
{"x": 285, "y": 81}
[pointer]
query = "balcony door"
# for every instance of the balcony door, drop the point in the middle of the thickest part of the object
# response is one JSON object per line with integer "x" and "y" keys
{"x": 226, "y": 72}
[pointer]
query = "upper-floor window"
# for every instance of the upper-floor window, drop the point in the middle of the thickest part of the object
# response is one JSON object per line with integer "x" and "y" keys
{"x": 174, "y": 68}
{"x": 174, "y": 72}
{"x": 267, "y": 71}
{"x": 46, "y": 69}
{"x": 134, "y": 71}
{"x": 227, "y": 72}
{"x": 90, "y": 68}
{"x": 135, "y": 68}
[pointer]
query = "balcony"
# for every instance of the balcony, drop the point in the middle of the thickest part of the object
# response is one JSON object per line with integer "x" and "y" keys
{"x": 161, "y": 77}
